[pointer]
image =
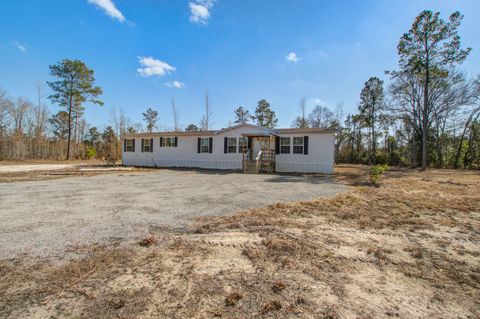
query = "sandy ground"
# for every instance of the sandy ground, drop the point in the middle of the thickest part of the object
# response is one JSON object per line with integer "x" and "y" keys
{"x": 34, "y": 167}
{"x": 117, "y": 168}
{"x": 48, "y": 216}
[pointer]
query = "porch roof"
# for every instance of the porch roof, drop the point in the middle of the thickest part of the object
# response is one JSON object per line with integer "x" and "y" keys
{"x": 257, "y": 134}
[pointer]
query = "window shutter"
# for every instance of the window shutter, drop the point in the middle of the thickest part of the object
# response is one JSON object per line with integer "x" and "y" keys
{"x": 133, "y": 145}
{"x": 225, "y": 145}
{"x": 176, "y": 141}
{"x": 277, "y": 144}
{"x": 249, "y": 143}
{"x": 198, "y": 146}
{"x": 161, "y": 141}
{"x": 124, "y": 145}
{"x": 142, "y": 144}
{"x": 305, "y": 145}
{"x": 151, "y": 145}
{"x": 210, "y": 145}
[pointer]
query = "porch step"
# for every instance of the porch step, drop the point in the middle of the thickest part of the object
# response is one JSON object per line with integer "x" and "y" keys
{"x": 251, "y": 167}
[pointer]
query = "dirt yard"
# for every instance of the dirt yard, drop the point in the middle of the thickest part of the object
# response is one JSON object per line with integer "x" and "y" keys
{"x": 14, "y": 171}
{"x": 49, "y": 216}
{"x": 408, "y": 249}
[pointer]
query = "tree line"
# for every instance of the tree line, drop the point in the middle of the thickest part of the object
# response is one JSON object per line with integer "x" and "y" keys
{"x": 263, "y": 116}
{"x": 427, "y": 115}
{"x": 28, "y": 131}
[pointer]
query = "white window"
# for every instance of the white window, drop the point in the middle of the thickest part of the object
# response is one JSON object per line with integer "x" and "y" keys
{"x": 204, "y": 145}
{"x": 242, "y": 143}
{"x": 298, "y": 145}
{"x": 167, "y": 142}
{"x": 284, "y": 145}
{"x": 147, "y": 145}
{"x": 129, "y": 145}
{"x": 232, "y": 145}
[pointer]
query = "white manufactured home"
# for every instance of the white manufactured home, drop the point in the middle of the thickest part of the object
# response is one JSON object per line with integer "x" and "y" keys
{"x": 246, "y": 147}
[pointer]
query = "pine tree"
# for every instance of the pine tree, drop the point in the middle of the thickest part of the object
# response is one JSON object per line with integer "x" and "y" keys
{"x": 242, "y": 115}
{"x": 427, "y": 51}
{"x": 371, "y": 105}
{"x": 59, "y": 125}
{"x": 264, "y": 116}
{"x": 75, "y": 84}
{"x": 150, "y": 117}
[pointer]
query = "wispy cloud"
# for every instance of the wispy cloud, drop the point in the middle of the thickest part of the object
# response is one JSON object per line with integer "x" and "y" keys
{"x": 316, "y": 101}
{"x": 109, "y": 8}
{"x": 175, "y": 84}
{"x": 292, "y": 57}
{"x": 151, "y": 67}
{"x": 23, "y": 47}
{"x": 200, "y": 10}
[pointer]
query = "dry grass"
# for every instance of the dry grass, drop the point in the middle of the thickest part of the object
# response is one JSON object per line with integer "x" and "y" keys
{"x": 407, "y": 249}
{"x": 39, "y": 175}
{"x": 148, "y": 241}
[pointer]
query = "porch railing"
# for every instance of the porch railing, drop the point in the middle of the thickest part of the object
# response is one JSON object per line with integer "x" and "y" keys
{"x": 263, "y": 162}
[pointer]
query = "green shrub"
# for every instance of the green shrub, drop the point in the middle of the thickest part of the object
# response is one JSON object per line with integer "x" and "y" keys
{"x": 381, "y": 158}
{"x": 90, "y": 152}
{"x": 375, "y": 174}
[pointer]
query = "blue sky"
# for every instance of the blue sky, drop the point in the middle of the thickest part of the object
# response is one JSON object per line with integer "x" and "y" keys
{"x": 241, "y": 51}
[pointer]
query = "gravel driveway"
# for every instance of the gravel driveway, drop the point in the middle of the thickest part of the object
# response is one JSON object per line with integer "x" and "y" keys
{"x": 45, "y": 217}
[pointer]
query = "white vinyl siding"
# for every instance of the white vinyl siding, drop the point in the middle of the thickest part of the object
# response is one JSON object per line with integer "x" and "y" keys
{"x": 319, "y": 158}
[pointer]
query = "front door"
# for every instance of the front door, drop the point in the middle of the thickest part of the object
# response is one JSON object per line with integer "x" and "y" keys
{"x": 259, "y": 144}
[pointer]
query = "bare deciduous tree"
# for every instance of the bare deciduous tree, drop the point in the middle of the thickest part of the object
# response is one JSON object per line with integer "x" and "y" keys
{"x": 176, "y": 116}
{"x": 321, "y": 117}
{"x": 473, "y": 115}
{"x": 4, "y": 105}
{"x": 17, "y": 112}
{"x": 301, "y": 121}
{"x": 206, "y": 122}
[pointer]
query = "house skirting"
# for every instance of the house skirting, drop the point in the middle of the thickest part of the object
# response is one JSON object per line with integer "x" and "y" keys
{"x": 185, "y": 163}
{"x": 230, "y": 165}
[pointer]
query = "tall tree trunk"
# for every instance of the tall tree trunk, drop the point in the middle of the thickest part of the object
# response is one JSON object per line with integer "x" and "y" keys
{"x": 39, "y": 128}
{"x": 69, "y": 128}
{"x": 359, "y": 144}
{"x": 439, "y": 145}
{"x": 425, "y": 117}
{"x": 75, "y": 131}
{"x": 443, "y": 151}
{"x": 374, "y": 144}
{"x": 352, "y": 147}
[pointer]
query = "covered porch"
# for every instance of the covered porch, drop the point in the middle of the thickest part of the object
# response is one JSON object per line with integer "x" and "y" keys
{"x": 259, "y": 153}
